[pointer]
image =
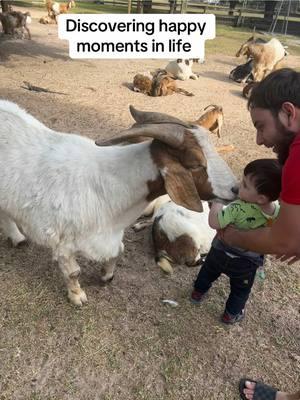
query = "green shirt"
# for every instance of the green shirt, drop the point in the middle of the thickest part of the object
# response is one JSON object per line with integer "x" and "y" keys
{"x": 246, "y": 215}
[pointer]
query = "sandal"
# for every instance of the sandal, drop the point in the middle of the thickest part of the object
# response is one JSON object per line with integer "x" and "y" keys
{"x": 261, "y": 391}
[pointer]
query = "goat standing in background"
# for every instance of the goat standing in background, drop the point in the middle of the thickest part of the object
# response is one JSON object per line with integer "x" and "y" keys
{"x": 266, "y": 56}
{"x": 244, "y": 50}
{"x": 13, "y": 20}
{"x": 54, "y": 9}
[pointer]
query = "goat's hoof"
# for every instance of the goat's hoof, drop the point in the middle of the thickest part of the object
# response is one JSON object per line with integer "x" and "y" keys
{"x": 78, "y": 298}
{"x": 107, "y": 278}
{"x": 165, "y": 265}
{"x": 17, "y": 244}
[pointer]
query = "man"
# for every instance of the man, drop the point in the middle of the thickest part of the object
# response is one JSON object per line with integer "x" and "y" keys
{"x": 274, "y": 106}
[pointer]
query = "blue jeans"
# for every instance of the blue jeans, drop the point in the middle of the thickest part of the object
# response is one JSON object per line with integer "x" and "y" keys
{"x": 241, "y": 272}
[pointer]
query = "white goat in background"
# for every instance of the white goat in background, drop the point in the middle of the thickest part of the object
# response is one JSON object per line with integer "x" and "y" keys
{"x": 65, "y": 192}
{"x": 181, "y": 69}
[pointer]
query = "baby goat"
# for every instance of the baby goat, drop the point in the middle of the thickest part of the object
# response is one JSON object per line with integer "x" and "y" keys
{"x": 212, "y": 119}
{"x": 13, "y": 20}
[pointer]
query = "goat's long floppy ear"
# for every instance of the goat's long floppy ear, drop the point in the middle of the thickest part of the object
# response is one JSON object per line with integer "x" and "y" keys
{"x": 167, "y": 133}
{"x": 180, "y": 186}
{"x": 143, "y": 117}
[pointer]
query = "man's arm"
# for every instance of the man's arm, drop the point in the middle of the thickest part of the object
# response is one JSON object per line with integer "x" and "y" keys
{"x": 283, "y": 237}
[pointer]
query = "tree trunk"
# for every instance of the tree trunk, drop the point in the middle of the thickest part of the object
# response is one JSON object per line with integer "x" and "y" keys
{"x": 269, "y": 9}
{"x": 147, "y": 6}
{"x": 232, "y": 5}
{"x": 4, "y": 5}
{"x": 139, "y": 7}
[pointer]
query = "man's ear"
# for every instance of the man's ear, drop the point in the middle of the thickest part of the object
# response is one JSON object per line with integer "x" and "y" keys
{"x": 287, "y": 115}
{"x": 180, "y": 186}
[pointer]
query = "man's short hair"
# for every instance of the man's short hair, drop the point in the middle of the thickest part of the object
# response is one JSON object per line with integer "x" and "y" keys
{"x": 266, "y": 175}
{"x": 278, "y": 87}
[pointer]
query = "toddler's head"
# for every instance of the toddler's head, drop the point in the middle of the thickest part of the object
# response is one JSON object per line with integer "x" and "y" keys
{"x": 261, "y": 182}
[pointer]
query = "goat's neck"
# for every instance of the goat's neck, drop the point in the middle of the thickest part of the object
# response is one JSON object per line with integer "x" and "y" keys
{"x": 128, "y": 180}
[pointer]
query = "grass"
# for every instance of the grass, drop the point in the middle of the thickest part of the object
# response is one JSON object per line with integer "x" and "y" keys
{"x": 230, "y": 39}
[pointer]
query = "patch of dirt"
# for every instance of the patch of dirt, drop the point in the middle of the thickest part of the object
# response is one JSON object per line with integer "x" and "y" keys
{"x": 126, "y": 344}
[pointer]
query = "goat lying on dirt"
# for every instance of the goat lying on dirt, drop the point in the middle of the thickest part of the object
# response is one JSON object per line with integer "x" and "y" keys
{"x": 65, "y": 192}
{"x": 248, "y": 89}
{"x": 13, "y": 20}
{"x": 242, "y": 73}
{"x": 161, "y": 84}
{"x": 180, "y": 236}
{"x": 181, "y": 69}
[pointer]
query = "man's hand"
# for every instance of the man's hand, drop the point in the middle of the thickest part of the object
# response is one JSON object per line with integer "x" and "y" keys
{"x": 228, "y": 234}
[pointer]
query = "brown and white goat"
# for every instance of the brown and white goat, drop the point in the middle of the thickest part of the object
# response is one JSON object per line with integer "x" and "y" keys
{"x": 102, "y": 189}
{"x": 212, "y": 119}
{"x": 180, "y": 236}
{"x": 266, "y": 57}
{"x": 54, "y": 8}
{"x": 244, "y": 50}
{"x": 13, "y": 20}
{"x": 160, "y": 84}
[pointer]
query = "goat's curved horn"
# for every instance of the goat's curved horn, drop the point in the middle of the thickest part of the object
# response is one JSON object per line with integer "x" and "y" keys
{"x": 143, "y": 117}
{"x": 166, "y": 133}
{"x": 214, "y": 106}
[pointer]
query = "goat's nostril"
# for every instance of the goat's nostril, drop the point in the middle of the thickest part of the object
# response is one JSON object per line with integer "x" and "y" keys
{"x": 235, "y": 189}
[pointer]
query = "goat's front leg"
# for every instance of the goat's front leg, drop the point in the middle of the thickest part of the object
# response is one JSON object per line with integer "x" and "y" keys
{"x": 71, "y": 272}
{"x": 194, "y": 76}
{"x": 109, "y": 267}
{"x": 28, "y": 32}
{"x": 11, "y": 230}
{"x": 108, "y": 270}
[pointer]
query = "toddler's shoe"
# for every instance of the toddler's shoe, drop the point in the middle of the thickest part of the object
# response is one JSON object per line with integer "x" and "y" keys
{"x": 230, "y": 319}
{"x": 197, "y": 297}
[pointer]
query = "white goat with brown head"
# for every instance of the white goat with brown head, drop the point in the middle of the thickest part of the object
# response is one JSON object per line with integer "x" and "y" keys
{"x": 179, "y": 235}
{"x": 65, "y": 192}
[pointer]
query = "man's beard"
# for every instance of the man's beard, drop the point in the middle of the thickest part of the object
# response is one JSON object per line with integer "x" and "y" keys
{"x": 282, "y": 147}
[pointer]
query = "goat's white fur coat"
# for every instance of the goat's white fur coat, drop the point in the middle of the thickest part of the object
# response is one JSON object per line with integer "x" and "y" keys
{"x": 66, "y": 193}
